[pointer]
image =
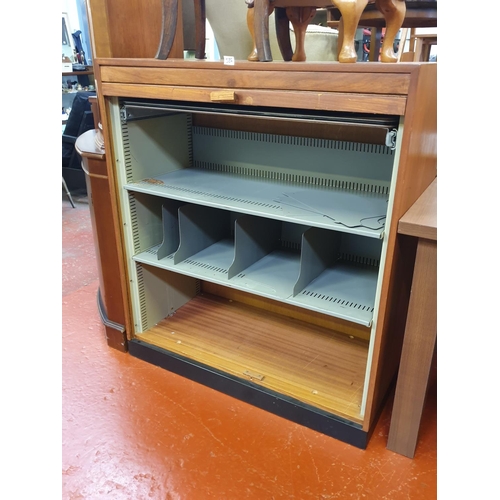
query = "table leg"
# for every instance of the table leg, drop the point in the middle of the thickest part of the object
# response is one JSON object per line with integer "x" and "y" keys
{"x": 416, "y": 357}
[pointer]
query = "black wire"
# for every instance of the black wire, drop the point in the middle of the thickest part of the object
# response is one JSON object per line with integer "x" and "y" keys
{"x": 378, "y": 217}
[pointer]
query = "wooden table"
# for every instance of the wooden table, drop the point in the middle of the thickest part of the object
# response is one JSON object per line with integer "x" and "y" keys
{"x": 420, "y": 221}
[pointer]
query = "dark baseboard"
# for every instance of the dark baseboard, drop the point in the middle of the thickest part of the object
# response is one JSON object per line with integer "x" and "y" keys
{"x": 258, "y": 396}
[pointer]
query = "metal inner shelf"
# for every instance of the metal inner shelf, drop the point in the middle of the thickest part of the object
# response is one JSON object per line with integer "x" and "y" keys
{"x": 274, "y": 274}
{"x": 345, "y": 290}
{"x": 217, "y": 257}
{"x": 348, "y": 290}
{"x": 343, "y": 210}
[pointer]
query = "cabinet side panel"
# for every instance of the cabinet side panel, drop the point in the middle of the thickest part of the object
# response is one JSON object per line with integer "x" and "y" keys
{"x": 417, "y": 169}
{"x": 159, "y": 293}
{"x": 156, "y": 145}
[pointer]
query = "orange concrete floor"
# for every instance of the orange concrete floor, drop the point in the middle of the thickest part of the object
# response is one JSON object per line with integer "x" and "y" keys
{"x": 134, "y": 431}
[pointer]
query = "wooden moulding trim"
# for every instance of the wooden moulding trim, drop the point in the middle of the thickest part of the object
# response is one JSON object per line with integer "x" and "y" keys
{"x": 377, "y": 83}
{"x": 244, "y": 390}
{"x": 86, "y": 147}
{"x": 92, "y": 156}
{"x": 332, "y": 101}
{"x": 281, "y": 66}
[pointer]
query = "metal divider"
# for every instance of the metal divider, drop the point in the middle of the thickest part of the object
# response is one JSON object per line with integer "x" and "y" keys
{"x": 170, "y": 223}
{"x": 254, "y": 238}
{"x": 267, "y": 260}
{"x": 205, "y": 235}
{"x": 319, "y": 250}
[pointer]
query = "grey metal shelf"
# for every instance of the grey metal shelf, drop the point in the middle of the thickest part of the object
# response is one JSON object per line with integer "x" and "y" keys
{"x": 292, "y": 263}
{"x": 345, "y": 291}
{"x": 343, "y": 210}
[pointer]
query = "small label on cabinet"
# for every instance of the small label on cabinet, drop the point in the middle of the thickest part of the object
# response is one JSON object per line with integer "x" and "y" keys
{"x": 253, "y": 375}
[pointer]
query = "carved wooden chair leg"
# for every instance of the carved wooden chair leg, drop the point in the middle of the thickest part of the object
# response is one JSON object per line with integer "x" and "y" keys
{"x": 263, "y": 9}
{"x": 394, "y": 12}
{"x": 169, "y": 25}
{"x": 340, "y": 37}
{"x": 300, "y": 17}
{"x": 250, "y": 23}
{"x": 283, "y": 33}
{"x": 351, "y": 13}
{"x": 200, "y": 18}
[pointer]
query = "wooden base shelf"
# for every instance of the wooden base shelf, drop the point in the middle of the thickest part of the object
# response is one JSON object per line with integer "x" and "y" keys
{"x": 317, "y": 366}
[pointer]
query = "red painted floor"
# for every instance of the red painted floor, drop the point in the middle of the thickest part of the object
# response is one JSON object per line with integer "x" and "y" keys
{"x": 134, "y": 431}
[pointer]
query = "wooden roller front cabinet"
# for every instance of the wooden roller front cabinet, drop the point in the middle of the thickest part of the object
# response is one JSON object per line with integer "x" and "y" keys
{"x": 256, "y": 209}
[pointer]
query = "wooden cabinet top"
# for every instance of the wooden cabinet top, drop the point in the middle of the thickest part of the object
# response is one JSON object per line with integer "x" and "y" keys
{"x": 377, "y": 87}
{"x": 421, "y": 219}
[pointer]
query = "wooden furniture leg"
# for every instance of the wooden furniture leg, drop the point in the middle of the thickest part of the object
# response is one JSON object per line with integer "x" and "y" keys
{"x": 262, "y": 12}
{"x": 394, "y": 13}
{"x": 253, "y": 56}
{"x": 200, "y": 18}
{"x": 419, "y": 342}
{"x": 283, "y": 33}
{"x": 350, "y": 12}
{"x": 300, "y": 17}
{"x": 172, "y": 22}
{"x": 417, "y": 354}
{"x": 168, "y": 28}
{"x": 375, "y": 43}
{"x": 402, "y": 43}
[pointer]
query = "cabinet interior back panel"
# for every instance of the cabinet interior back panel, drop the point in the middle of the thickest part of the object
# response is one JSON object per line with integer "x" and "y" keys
{"x": 321, "y": 182}
{"x": 292, "y": 157}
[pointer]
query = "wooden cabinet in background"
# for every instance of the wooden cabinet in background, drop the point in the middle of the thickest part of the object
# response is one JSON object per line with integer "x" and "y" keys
{"x": 122, "y": 28}
{"x": 107, "y": 246}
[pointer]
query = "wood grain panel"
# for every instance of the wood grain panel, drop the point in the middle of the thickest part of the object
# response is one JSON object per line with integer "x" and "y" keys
{"x": 244, "y": 79}
{"x": 356, "y": 103}
{"x": 309, "y": 363}
{"x": 281, "y": 66}
{"x": 129, "y": 29}
{"x": 99, "y": 30}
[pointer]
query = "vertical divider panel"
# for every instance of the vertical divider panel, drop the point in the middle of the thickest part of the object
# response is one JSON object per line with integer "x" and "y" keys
{"x": 170, "y": 222}
{"x": 254, "y": 238}
{"x": 161, "y": 293}
{"x": 319, "y": 250}
{"x": 199, "y": 228}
